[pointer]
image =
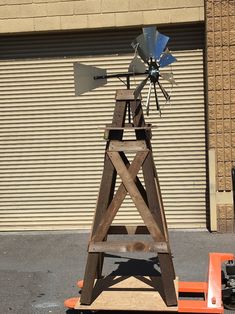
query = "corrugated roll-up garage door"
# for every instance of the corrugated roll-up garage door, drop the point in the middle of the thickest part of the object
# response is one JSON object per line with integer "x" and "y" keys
{"x": 52, "y": 143}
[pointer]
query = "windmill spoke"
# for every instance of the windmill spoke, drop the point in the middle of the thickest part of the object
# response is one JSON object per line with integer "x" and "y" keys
{"x": 157, "y": 104}
{"x": 148, "y": 98}
{"x": 166, "y": 95}
{"x": 140, "y": 87}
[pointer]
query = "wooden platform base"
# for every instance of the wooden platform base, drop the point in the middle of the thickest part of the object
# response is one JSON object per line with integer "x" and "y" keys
{"x": 128, "y": 294}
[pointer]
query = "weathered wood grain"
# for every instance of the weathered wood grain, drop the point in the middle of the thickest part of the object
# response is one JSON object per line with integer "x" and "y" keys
{"x": 127, "y": 146}
{"x": 129, "y": 294}
{"x": 133, "y": 246}
{"x": 136, "y": 196}
{"x": 117, "y": 200}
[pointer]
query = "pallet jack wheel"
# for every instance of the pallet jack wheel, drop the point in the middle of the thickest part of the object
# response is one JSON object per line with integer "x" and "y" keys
{"x": 229, "y": 303}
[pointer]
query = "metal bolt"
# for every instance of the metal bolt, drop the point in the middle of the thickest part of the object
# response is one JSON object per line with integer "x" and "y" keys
{"x": 213, "y": 300}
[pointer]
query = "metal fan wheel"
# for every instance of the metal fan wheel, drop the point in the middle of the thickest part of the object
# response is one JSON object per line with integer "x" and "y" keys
{"x": 151, "y": 48}
{"x": 229, "y": 303}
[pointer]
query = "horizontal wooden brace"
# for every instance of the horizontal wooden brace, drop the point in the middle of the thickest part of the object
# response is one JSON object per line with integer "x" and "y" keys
{"x": 128, "y": 229}
{"x": 126, "y": 94}
{"x": 128, "y": 126}
{"x": 137, "y": 246}
{"x": 127, "y": 146}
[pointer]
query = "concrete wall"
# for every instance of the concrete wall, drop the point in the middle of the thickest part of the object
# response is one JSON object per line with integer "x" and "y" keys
{"x": 41, "y": 15}
{"x": 220, "y": 26}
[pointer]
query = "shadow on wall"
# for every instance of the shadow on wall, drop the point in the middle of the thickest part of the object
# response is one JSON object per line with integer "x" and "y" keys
{"x": 75, "y": 44}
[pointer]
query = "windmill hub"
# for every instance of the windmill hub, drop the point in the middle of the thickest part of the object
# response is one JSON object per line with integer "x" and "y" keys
{"x": 154, "y": 72}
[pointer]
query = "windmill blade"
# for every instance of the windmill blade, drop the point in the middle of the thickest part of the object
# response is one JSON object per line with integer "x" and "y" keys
{"x": 150, "y": 38}
{"x": 166, "y": 95}
{"x": 84, "y": 78}
{"x": 157, "y": 104}
{"x": 148, "y": 98}
{"x": 160, "y": 44}
{"x": 140, "y": 44}
{"x": 166, "y": 59}
{"x": 168, "y": 77}
{"x": 137, "y": 66}
{"x": 139, "y": 88}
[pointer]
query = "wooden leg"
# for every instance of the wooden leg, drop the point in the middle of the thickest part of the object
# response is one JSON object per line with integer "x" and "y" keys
{"x": 153, "y": 201}
{"x": 95, "y": 260}
{"x": 156, "y": 207}
{"x": 106, "y": 191}
{"x": 100, "y": 265}
{"x": 89, "y": 278}
{"x": 168, "y": 276}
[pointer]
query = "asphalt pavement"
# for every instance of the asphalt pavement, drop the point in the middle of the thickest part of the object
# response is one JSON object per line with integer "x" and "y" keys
{"x": 39, "y": 270}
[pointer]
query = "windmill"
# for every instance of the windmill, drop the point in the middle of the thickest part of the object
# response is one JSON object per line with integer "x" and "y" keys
{"x": 150, "y": 56}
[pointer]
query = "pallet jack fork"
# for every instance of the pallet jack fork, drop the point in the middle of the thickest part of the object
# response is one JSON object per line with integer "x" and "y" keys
{"x": 212, "y": 290}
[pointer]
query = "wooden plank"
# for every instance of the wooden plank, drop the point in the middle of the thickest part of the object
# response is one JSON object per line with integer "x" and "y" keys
{"x": 129, "y": 294}
{"x": 106, "y": 191}
{"x": 152, "y": 196}
{"x": 123, "y": 246}
{"x": 138, "y": 121}
{"x": 137, "y": 198}
{"x": 168, "y": 276}
{"x": 128, "y": 126}
{"x": 162, "y": 211}
{"x": 156, "y": 207}
{"x": 95, "y": 260}
{"x": 125, "y": 94}
{"x": 137, "y": 113}
{"x": 128, "y": 229}
{"x": 127, "y": 146}
{"x": 89, "y": 277}
{"x": 119, "y": 114}
{"x": 117, "y": 200}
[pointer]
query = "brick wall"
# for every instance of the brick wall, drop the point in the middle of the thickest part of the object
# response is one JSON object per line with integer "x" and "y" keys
{"x": 220, "y": 25}
{"x": 41, "y": 15}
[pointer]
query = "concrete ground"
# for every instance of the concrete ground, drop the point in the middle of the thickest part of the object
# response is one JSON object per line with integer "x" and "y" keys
{"x": 38, "y": 271}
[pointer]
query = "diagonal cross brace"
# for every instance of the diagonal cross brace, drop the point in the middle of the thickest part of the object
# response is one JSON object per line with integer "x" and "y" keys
{"x": 136, "y": 196}
{"x": 119, "y": 197}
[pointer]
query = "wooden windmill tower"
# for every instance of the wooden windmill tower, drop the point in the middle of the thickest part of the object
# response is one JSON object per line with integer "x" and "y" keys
{"x": 146, "y": 195}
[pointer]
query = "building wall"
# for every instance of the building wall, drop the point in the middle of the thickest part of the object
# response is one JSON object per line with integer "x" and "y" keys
{"x": 220, "y": 26}
{"x": 17, "y": 16}
{"x": 34, "y": 16}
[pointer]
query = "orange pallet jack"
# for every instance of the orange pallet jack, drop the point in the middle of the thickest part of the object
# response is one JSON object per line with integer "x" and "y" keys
{"x": 211, "y": 290}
